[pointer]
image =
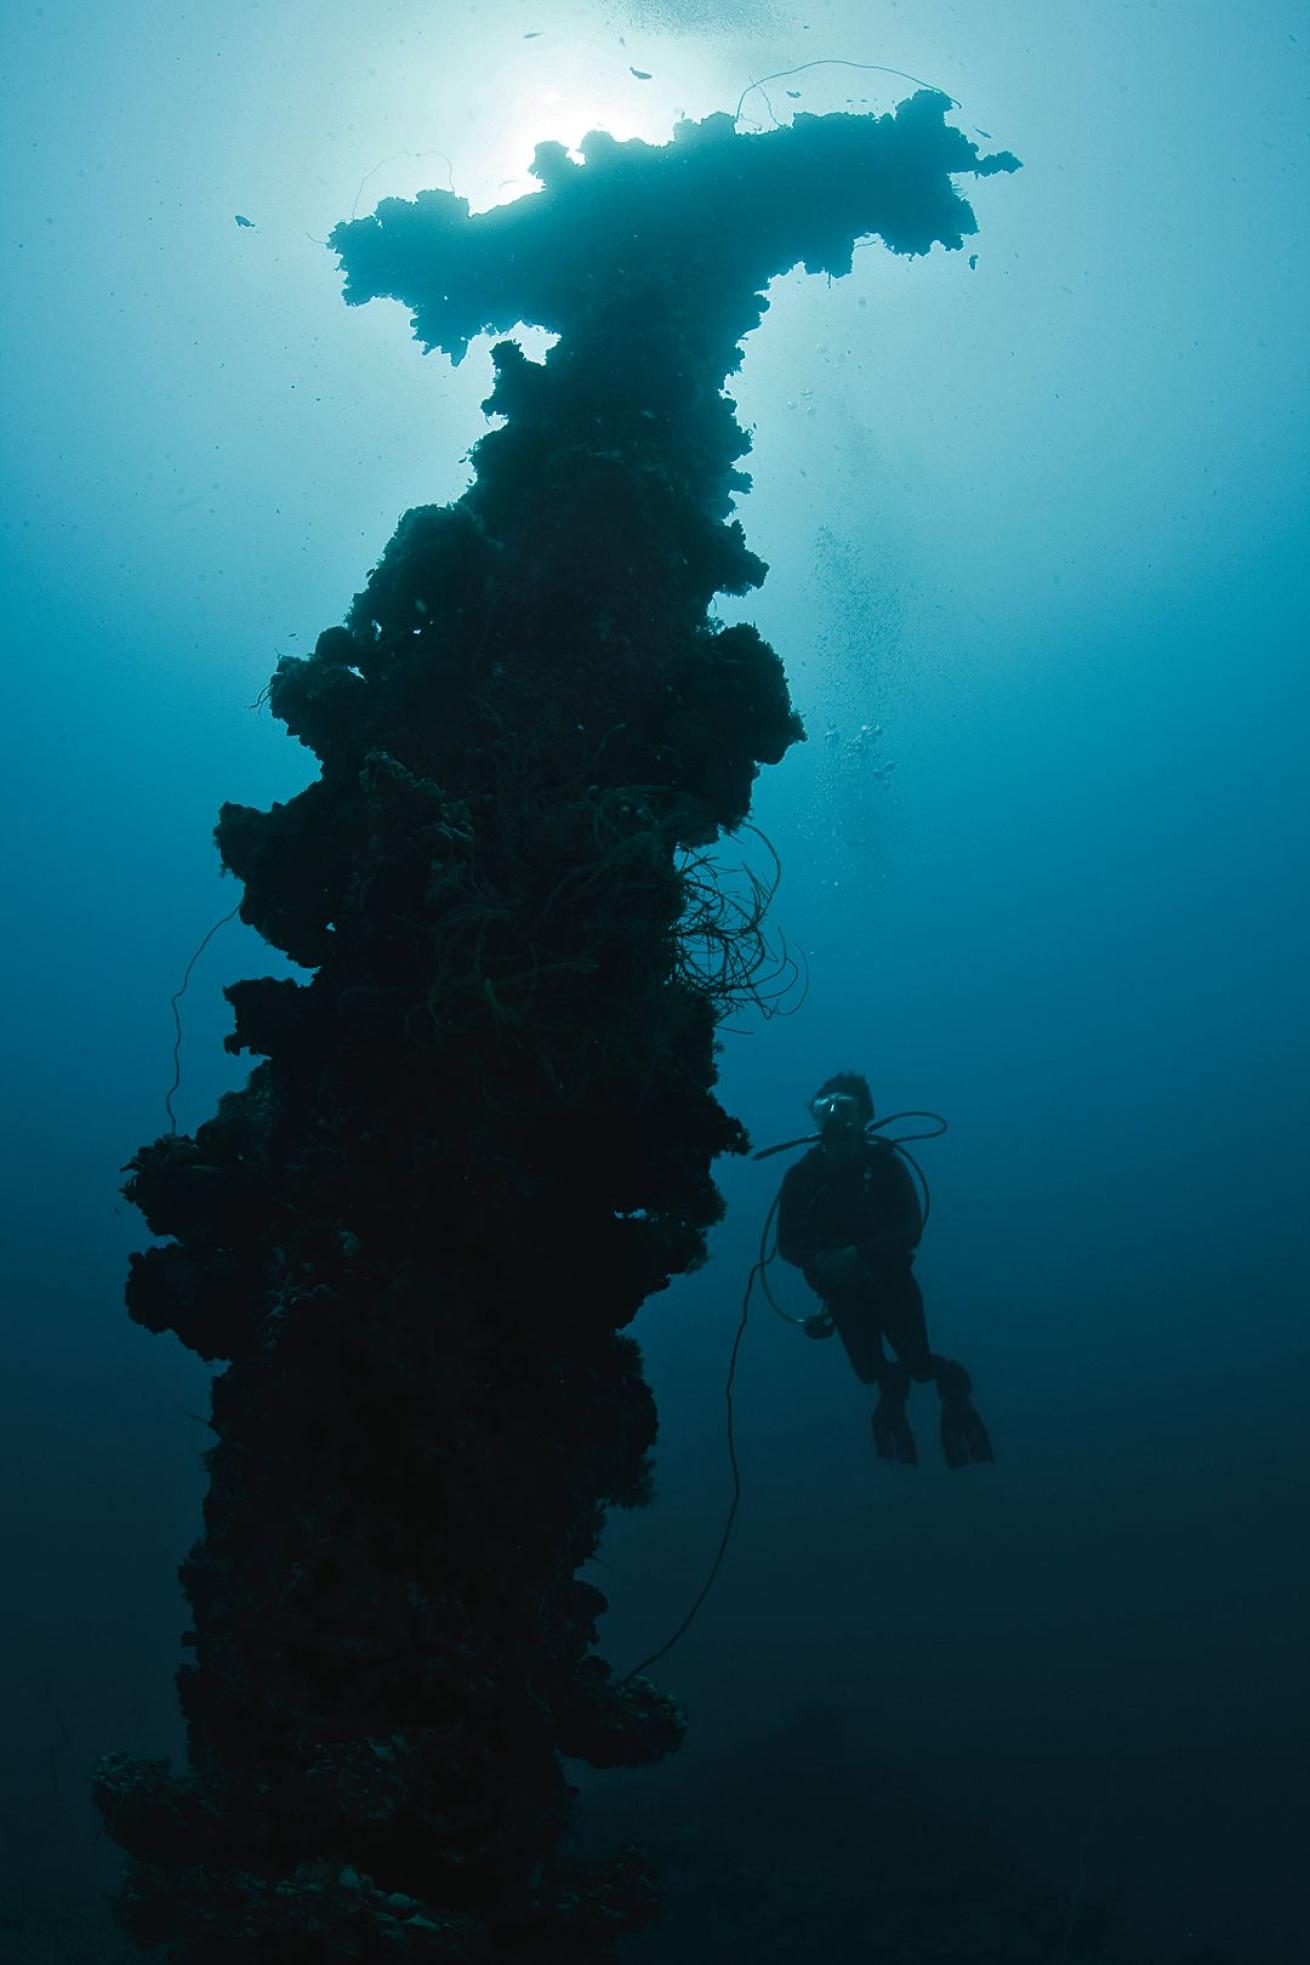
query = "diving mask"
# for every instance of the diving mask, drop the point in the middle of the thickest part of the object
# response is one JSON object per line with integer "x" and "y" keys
{"x": 837, "y": 1115}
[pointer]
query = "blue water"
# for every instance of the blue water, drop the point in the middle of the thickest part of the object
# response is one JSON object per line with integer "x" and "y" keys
{"x": 1038, "y": 548}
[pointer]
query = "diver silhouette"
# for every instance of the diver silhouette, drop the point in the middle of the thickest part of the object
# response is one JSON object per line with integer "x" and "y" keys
{"x": 849, "y": 1217}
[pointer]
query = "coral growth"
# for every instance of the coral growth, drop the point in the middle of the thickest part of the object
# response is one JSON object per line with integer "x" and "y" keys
{"x": 481, "y": 1133}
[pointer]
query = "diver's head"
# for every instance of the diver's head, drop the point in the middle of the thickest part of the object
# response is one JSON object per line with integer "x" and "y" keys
{"x": 842, "y": 1108}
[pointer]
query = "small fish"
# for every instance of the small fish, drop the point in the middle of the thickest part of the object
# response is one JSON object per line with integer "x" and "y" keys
{"x": 642, "y": 74}
{"x": 795, "y": 94}
{"x": 973, "y": 260}
{"x": 986, "y": 133}
{"x": 249, "y": 222}
{"x": 534, "y": 36}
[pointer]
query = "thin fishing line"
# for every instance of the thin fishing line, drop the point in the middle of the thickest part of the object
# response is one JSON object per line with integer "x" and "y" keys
{"x": 173, "y": 1001}
{"x": 834, "y": 61}
{"x": 726, "y": 1537}
{"x": 417, "y": 155}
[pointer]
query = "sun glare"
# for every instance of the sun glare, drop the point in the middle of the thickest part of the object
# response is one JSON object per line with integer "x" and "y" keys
{"x": 476, "y": 134}
{"x": 563, "y": 111}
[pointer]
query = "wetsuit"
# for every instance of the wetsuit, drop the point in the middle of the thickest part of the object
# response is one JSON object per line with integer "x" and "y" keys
{"x": 867, "y": 1198}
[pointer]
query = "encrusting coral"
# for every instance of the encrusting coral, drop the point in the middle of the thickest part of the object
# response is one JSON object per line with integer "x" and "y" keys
{"x": 481, "y": 1132}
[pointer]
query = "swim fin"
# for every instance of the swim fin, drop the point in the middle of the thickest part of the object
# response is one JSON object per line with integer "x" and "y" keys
{"x": 965, "y": 1439}
{"x": 892, "y": 1437}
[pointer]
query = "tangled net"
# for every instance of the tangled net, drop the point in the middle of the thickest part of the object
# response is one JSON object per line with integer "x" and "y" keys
{"x": 721, "y": 947}
{"x": 534, "y": 953}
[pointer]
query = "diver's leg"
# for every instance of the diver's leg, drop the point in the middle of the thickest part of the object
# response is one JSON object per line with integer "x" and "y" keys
{"x": 857, "y": 1326}
{"x": 900, "y": 1312}
{"x": 855, "y": 1314}
{"x": 857, "y": 1321}
{"x": 964, "y": 1437}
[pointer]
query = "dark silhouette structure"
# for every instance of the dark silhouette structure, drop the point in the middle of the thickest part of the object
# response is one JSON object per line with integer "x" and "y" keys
{"x": 481, "y": 1132}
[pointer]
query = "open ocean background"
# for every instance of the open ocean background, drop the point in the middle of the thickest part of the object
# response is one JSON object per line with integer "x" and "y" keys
{"x": 1038, "y": 537}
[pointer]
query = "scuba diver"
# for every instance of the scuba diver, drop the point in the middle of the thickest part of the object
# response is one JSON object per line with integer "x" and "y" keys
{"x": 849, "y": 1218}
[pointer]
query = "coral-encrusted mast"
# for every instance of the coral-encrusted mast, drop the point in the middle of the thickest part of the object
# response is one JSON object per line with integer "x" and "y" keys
{"x": 482, "y": 1132}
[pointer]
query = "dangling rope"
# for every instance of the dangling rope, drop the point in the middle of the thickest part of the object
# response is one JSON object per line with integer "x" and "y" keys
{"x": 173, "y": 1002}
{"x": 832, "y": 61}
{"x": 756, "y": 1270}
